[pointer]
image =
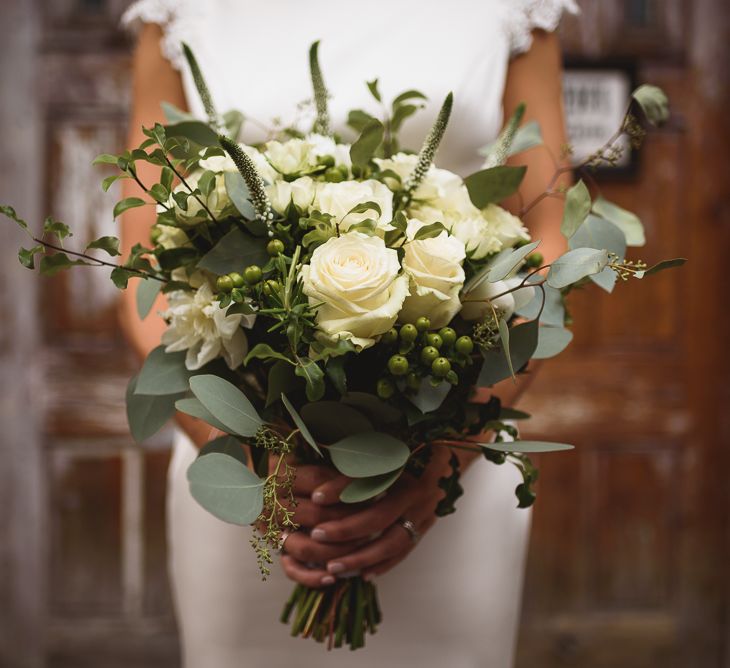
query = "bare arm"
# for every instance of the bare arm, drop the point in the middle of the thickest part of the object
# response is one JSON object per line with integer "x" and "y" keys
{"x": 154, "y": 80}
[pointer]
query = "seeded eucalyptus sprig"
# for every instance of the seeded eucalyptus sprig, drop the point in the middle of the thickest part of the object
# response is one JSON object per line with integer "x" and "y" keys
{"x": 428, "y": 151}
{"x": 322, "y": 122}
{"x": 202, "y": 86}
{"x": 254, "y": 182}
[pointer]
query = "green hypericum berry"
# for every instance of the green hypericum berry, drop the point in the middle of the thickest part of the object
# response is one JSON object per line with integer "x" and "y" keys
{"x": 429, "y": 354}
{"x": 534, "y": 260}
{"x": 224, "y": 284}
{"x": 423, "y": 324}
{"x": 413, "y": 381}
{"x": 448, "y": 336}
{"x": 333, "y": 175}
{"x": 398, "y": 365}
{"x": 326, "y": 160}
{"x": 344, "y": 170}
{"x": 434, "y": 340}
{"x": 385, "y": 388}
{"x": 253, "y": 274}
{"x": 440, "y": 367}
{"x": 275, "y": 247}
{"x": 408, "y": 333}
{"x": 270, "y": 287}
{"x": 155, "y": 233}
{"x": 390, "y": 337}
{"x": 237, "y": 279}
{"x": 464, "y": 345}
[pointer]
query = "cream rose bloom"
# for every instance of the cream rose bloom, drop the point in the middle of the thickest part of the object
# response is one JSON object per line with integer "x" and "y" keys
{"x": 356, "y": 280}
{"x": 477, "y": 236}
{"x": 171, "y": 237}
{"x": 301, "y": 191}
{"x": 217, "y": 200}
{"x": 323, "y": 145}
{"x": 291, "y": 158}
{"x": 337, "y": 199}
{"x": 224, "y": 163}
{"x": 476, "y": 300}
{"x": 199, "y": 325}
{"x": 436, "y": 275}
{"x": 505, "y": 226}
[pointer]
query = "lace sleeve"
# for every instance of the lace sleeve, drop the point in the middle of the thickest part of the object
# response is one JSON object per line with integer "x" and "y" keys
{"x": 527, "y": 15}
{"x": 173, "y": 16}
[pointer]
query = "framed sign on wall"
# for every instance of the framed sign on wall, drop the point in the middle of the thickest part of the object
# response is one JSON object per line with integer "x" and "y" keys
{"x": 596, "y": 96}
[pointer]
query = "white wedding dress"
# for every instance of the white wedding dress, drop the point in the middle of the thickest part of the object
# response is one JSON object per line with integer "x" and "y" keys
{"x": 455, "y": 600}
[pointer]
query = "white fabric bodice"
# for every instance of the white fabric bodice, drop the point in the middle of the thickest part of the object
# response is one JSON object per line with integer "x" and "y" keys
{"x": 254, "y": 57}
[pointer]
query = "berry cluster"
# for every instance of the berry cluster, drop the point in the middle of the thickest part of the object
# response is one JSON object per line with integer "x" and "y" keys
{"x": 422, "y": 353}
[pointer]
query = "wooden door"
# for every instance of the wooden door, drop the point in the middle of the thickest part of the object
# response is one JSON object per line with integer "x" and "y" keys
{"x": 629, "y": 547}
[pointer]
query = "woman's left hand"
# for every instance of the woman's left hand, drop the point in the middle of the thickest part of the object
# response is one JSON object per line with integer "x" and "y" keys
{"x": 410, "y": 498}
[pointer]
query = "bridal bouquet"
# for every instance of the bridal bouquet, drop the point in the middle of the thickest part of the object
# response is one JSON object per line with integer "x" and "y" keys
{"x": 338, "y": 303}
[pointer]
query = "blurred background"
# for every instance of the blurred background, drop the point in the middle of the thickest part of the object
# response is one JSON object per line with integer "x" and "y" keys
{"x": 629, "y": 554}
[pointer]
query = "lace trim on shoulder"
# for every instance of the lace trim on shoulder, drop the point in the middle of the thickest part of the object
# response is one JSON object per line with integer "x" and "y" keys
{"x": 528, "y": 15}
{"x": 175, "y": 17}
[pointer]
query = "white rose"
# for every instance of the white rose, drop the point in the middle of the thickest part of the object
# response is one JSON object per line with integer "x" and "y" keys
{"x": 301, "y": 191}
{"x": 338, "y": 199}
{"x": 171, "y": 237}
{"x": 434, "y": 267}
{"x": 477, "y": 236}
{"x": 224, "y": 163}
{"x": 476, "y": 301}
{"x": 505, "y": 226}
{"x": 292, "y": 157}
{"x": 199, "y": 325}
{"x": 355, "y": 279}
{"x": 323, "y": 145}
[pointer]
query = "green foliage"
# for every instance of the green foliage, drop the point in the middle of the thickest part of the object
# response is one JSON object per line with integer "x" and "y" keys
{"x": 303, "y": 429}
{"x": 428, "y": 398}
{"x": 429, "y": 231}
{"x": 527, "y": 446}
{"x": 365, "y": 146}
{"x": 628, "y": 222}
{"x": 59, "y": 229}
{"x": 108, "y": 244}
{"x": 661, "y": 266}
{"x": 368, "y": 454}
{"x": 226, "y": 488}
{"x": 254, "y": 182}
{"x": 226, "y": 403}
{"x": 362, "y": 489}
{"x": 163, "y": 373}
{"x": 120, "y": 277}
{"x": 577, "y": 208}
{"x": 281, "y": 379}
{"x": 147, "y": 414}
{"x": 318, "y": 417}
{"x": 194, "y": 407}
{"x": 202, "y": 87}
{"x": 512, "y": 414}
{"x": 508, "y": 262}
{"x": 147, "y": 291}
{"x": 523, "y": 342}
{"x": 195, "y": 131}
{"x": 236, "y": 250}
{"x": 240, "y": 196}
{"x": 264, "y": 351}
{"x": 313, "y": 376}
{"x": 225, "y": 445}
{"x": 322, "y": 122}
{"x": 575, "y": 265}
{"x": 51, "y": 264}
{"x": 600, "y": 234}
{"x": 26, "y": 256}
{"x": 452, "y": 489}
{"x": 500, "y": 149}
{"x": 504, "y": 341}
{"x": 126, "y": 204}
{"x": 490, "y": 186}
{"x": 551, "y": 341}
{"x": 553, "y": 312}
{"x": 653, "y": 102}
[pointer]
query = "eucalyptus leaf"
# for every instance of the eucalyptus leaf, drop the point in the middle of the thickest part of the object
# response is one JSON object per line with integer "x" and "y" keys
{"x": 163, "y": 373}
{"x": 428, "y": 398}
{"x": 240, "y": 195}
{"x": 512, "y": 414}
{"x": 175, "y": 115}
{"x": 509, "y": 262}
{"x": 330, "y": 421}
{"x": 281, "y": 379}
{"x": 376, "y": 410}
{"x": 551, "y": 341}
{"x": 661, "y": 266}
{"x": 303, "y": 429}
{"x": 235, "y": 250}
{"x": 504, "y": 340}
{"x": 653, "y": 102}
{"x": 527, "y": 447}
{"x": 362, "y": 489}
{"x": 368, "y": 454}
{"x": 494, "y": 184}
{"x": 147, "y": 414}
{"x": 628, "y": 222}
{"x": 197, "y": 131}
{"x": 600, "y": 233}
{"x": 226, "y": 403}
{"x": 577, "y": 208}
{"x": 225, "y": 445}
{"x": 523, "y": 341}
{"x": 553, "y": 313}
{"x": 576, "y": 264}
{"x": 194, "y": 407}
{"x": 147, "y": 291}
{"x": 226, "y": 488}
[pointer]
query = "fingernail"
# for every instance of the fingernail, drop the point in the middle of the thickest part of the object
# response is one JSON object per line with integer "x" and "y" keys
{"x": 318, "y": 497}
{"x": 318, "y": 534}
{"x": 328, "y": 580}
{"x": 336, "y": 567}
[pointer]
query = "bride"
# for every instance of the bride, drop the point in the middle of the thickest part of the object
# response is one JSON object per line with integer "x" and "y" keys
{"x": 455, "y": 600}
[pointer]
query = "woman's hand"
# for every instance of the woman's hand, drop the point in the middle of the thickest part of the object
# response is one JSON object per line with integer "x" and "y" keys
{"x": 365, "y": 539}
